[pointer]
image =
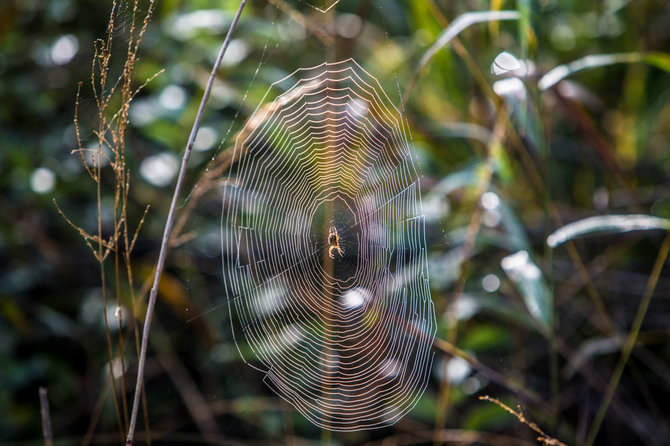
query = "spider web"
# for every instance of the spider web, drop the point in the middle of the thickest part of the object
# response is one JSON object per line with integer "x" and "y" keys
{"x": 345, "y": 339}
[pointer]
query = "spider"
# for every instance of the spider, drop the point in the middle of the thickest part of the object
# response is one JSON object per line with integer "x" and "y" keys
{"x": 334, "y": 242}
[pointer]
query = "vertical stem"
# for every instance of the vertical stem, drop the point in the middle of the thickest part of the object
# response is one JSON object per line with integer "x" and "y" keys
{"x": 46, "y": 418}
{"x": 117, "y": 286}
{"x": 102, "y": 250}
{"x": 168, "y": 227}
{"x": 631, "y": 339}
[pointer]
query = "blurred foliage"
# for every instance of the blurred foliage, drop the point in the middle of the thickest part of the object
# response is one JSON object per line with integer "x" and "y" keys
{"x": 504, "y": 162}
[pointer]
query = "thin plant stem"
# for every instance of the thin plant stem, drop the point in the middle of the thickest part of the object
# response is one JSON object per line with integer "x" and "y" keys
{"x": 532, "y": 172}
{"x": 46, "y": 418}
{"x": 101, "y": 261}
{"x": 630, "y": 340}
{"x": 545, "y": 439}
{"x": 493, "y": 148}
{"x": 95, "y": 416}
{"x": 168, "y": 227}
{"x": 528, "y": 395}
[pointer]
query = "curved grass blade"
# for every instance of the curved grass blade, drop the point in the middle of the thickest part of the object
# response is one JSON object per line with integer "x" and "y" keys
{"x": 459, "y": 24}
{"x": 557, "y": 74}
{"x": 606, "y": 223}
{"x": 527, "y": 277}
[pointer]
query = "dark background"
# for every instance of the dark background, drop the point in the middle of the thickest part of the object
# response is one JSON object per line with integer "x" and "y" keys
{"x": 595, "y": 144}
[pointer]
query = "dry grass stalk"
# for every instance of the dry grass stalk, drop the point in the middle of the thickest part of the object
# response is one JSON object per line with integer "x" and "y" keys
{"x": 543, "y": 438}
{"x": 113, "y": 101}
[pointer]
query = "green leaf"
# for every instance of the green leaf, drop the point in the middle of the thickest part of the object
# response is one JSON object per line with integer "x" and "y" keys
{"x": 486, "y": 336}
{"x": 659, "y": 60}
{"x": 527, "y": 277}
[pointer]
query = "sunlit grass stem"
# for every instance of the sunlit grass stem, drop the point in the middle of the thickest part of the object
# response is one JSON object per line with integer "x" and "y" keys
{"x": 170, "y": 222}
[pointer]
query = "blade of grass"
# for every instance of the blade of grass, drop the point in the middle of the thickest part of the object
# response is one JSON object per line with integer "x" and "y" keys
{"x": 484, "y": 177}
{"x": 575, "y": 113}
{"x": 170, "y": 222}
{"x": 462, "y": 22}
{"x": 606, "y": 223}
{"x": 536, "y": 179}
{"x": 625, "y": 413}
{"x": 557, "y": 74}
{"x": 527, "y": 277}
{"x": 531, "y": 170}
{"x": 494, "y": 27}
{"x": 523, "y": 6}
{"x": 630, "y": 340}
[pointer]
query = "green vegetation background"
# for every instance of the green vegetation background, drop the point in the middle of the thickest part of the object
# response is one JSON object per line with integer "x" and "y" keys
{"x": 595, "y": 144}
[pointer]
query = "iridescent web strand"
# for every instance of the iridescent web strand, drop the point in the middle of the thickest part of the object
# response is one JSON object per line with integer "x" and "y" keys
{"x": 347, "y": 341}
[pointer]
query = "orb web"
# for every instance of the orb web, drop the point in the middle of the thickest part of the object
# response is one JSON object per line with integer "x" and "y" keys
{"x": 344, "y": 335}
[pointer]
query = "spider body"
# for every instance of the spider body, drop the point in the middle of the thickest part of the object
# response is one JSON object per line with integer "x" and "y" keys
{"x": 334, "y": 242}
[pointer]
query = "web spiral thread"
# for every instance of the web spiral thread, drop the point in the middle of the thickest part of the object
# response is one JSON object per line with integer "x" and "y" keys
{"x": 345, "y": 337}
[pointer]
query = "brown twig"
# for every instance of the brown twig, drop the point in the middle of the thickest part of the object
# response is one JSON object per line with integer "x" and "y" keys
{"x": 448, "y": 436}
{"x": 112, "y": 123}
{"x": 543, "y": 438}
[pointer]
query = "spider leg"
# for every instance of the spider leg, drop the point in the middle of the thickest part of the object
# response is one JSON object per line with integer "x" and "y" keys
{"x": 330, "y": 252}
